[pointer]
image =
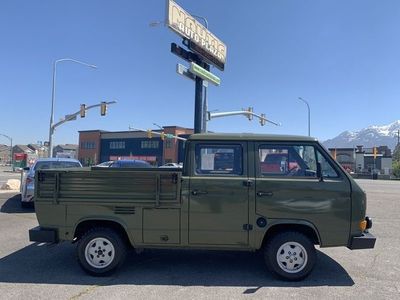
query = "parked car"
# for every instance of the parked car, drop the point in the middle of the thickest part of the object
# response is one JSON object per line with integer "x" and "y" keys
{"x": 125, "y": 163}
{"x": 172, "y": 165}
{"x": 105, "y": 164}
{"x": 28, "y": 179}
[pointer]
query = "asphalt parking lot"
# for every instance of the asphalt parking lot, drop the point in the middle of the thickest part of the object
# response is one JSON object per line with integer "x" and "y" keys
{"x": 32, "y": 271}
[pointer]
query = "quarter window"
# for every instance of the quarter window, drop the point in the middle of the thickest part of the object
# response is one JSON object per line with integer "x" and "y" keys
{"x": 219, "y": 159}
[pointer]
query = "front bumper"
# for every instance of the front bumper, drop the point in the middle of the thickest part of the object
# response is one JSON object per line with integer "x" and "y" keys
{"x": 366, "y": 241}
{"x": 43, "y": 235}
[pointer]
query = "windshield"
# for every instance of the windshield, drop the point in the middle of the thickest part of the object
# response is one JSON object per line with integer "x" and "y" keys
{"x": 44, "y": 165}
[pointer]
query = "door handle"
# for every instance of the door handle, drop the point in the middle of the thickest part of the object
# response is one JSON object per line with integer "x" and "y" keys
{"x": 197, "y": 192}
{"x": 265, "y": 194}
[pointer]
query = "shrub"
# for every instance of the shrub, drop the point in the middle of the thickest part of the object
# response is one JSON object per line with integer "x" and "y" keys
{"x": 396, "y": 169}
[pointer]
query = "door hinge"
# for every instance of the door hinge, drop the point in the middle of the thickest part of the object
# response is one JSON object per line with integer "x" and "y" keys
{"x": 248, "y": 183}
{"x": 247, "y": 227}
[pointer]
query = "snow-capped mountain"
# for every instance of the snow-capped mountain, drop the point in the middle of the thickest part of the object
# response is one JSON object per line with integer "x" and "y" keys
{"x": 371, "y": 136}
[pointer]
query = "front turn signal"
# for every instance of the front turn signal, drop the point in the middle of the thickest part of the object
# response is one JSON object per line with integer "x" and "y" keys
{"x": 363, "y": 225}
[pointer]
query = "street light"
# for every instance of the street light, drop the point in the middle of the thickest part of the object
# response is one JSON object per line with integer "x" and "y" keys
{"x": 11, "y": 150}
{"x": 159, "y": 126}
{"x": 308, "y": 106}
{"x": 53, "y": 96}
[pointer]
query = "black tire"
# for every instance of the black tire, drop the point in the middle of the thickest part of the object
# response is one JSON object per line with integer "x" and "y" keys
{"x": 101, "y": 251}
{"x": 293, "y": 266}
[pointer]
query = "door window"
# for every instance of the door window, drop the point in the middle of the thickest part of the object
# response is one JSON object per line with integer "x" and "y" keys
{"x": 219, "y": 159}
{"x": 287, "y": 160}
{"x": 293, "y": 160}
{"x": 326, "y": 168}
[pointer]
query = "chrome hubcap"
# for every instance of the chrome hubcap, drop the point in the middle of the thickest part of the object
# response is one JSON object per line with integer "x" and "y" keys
{"x": 99, "y": 253}
{"x": 291, "y": 257}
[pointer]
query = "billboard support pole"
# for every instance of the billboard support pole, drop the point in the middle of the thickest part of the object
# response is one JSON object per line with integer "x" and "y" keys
{"x": 198, "y": 105}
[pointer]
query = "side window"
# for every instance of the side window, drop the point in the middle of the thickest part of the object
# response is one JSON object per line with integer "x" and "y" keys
{"x": 218, "y": 159}
{"x": 287, "y": 160}
{"x": 326, "y": 168}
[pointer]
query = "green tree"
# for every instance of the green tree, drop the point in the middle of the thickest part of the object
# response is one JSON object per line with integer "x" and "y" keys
{"x": 396, "y": 154}
{"x": 396, "y": 168}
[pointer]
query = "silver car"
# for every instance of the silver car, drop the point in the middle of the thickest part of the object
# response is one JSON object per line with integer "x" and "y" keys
{"x": 28, "y": 179}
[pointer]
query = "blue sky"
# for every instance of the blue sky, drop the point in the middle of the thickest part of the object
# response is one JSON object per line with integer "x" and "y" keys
{"x": 342, "y": 56}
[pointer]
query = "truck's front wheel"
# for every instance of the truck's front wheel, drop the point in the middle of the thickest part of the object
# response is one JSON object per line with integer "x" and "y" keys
{"x": 290, "y": 255}
{"x": 101, "y": 251}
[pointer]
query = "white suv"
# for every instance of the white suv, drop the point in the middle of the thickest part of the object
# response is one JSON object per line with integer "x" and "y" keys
{"x": 28, "y": 181}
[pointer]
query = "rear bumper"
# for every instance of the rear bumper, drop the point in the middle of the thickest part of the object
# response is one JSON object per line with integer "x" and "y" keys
{"x": 366, "y": 241}
{"x": 43, "y": 235}
{"x": 27, "y": 196}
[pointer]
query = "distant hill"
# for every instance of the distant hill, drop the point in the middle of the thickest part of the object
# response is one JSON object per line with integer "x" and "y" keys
{"x": 371, "y": 136}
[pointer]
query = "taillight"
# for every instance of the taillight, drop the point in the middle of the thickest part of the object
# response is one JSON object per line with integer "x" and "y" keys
{"x": 29, "y": 180}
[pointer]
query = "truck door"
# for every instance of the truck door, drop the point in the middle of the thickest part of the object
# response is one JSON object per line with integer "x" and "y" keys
{"x": 287, "y": 187}
{"x": 219, "y": 195}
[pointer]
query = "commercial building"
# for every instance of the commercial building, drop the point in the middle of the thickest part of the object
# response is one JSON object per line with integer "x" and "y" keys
{"x": 96, "y": 146}
{"x": 364, "y": 160}
{"x": 66, "y": 150}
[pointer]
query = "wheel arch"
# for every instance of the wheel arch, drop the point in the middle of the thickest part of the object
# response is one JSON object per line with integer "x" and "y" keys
{"x": 304, "y": 227}
{"x": 86, "y": 224}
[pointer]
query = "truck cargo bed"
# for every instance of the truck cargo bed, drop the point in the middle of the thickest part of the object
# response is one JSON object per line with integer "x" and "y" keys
{"x": 147, "y": 186}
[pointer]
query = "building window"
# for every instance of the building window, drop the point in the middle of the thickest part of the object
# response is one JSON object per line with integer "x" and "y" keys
{"x": 88, "y": 145}
{"x": 169, "y": 144}
{"x": 150, "y": 144}
{"x": 117, "y": 145}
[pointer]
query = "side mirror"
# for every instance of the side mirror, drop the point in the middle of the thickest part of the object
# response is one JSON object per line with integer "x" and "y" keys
{"x": 319, "y": 172}
{"x": 26, "y": 169}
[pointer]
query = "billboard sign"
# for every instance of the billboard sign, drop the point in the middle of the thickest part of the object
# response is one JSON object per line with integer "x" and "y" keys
{"x": 200, "y": 39}
{"x": 182, "y": 70}
{"x": 204, "y": 74}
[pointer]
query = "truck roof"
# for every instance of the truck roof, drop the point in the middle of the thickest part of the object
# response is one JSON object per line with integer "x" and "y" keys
{"x": 251, "y": 137}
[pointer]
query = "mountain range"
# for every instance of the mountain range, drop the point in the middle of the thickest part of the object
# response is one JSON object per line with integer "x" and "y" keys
{"x": 385, "y": 135}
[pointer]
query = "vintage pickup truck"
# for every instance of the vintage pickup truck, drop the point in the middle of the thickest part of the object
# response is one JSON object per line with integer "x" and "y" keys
{"x": 278, "y": 194}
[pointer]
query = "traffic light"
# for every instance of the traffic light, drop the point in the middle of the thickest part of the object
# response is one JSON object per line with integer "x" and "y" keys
{"x": 103, "y": 108}
{"x": 263, "y": 119}
{"x": 250, "y": 115}
{"x": 375, "y": 152}
{"x": 149, "y": 134}
{"x": 162, "y": 136}
{"x": 83, "y": 110}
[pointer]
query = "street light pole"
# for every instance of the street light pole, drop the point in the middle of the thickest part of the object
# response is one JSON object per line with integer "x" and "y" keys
{"x": 53, "y": 97}
{"x": 309, "y": 114}
{"x": 11, "y": 150}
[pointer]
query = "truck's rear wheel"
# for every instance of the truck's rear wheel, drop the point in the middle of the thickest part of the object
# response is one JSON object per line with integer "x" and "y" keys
{"x": 290, "y": 255}
{"x": 101, "y": 251}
